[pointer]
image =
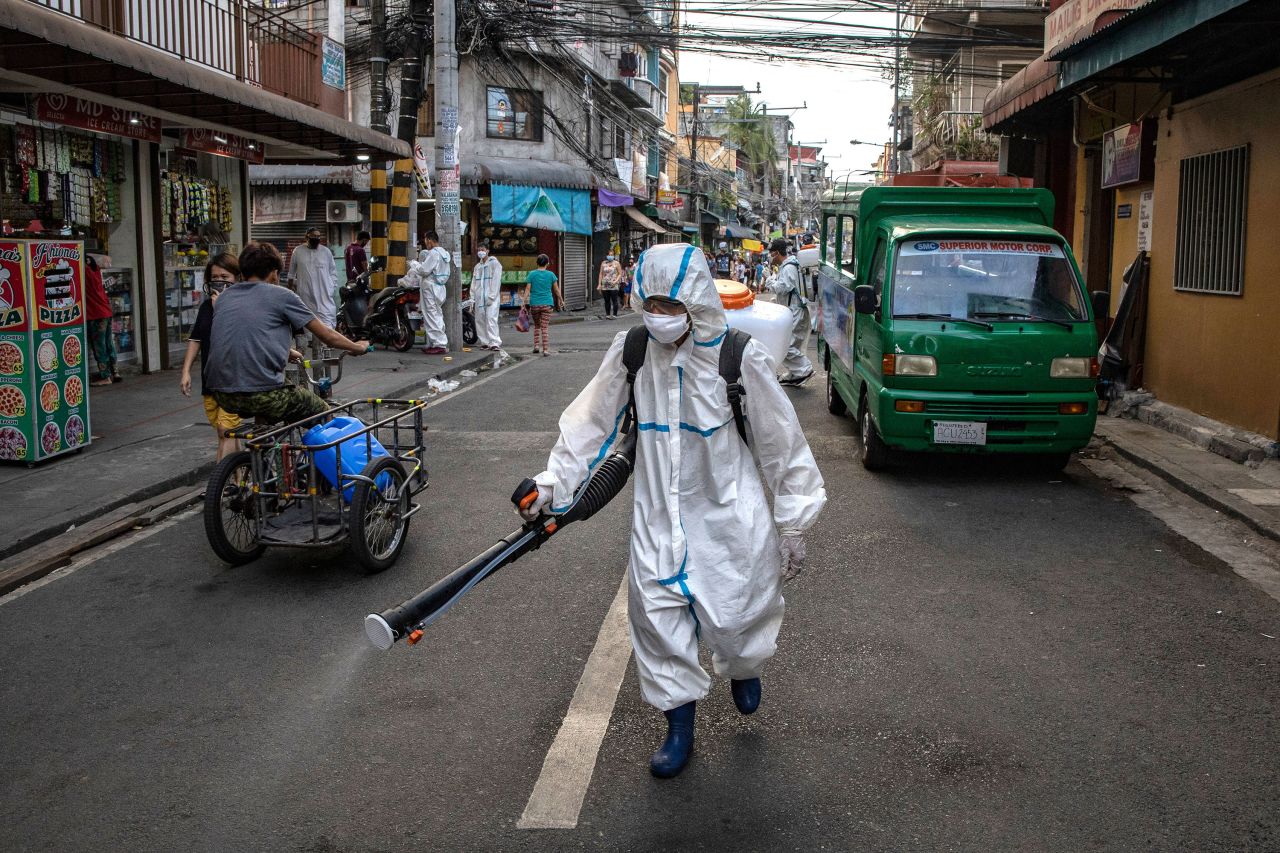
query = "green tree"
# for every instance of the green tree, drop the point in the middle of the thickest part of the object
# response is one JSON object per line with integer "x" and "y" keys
{"x": 748, "y": 130}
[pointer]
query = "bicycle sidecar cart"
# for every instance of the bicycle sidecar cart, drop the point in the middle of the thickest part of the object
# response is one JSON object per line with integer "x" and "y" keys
{"x": 348, "y": 475}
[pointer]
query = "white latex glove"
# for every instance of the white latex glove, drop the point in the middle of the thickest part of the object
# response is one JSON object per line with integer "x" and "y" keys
{"x": 533, "y": 510}
{"x": 791, "y": 547}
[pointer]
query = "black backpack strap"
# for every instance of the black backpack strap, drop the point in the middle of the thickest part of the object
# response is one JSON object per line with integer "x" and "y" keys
{"x": 634, "y": 349}
{"x": 731, "y": 351}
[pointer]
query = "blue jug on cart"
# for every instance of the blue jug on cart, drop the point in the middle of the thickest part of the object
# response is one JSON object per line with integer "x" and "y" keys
{"x": 354, "y": 451}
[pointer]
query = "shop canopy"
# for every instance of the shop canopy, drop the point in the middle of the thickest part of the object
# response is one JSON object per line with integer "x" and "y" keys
{"x": 281, "y": 176}
{"x": 548, "y": 208}
{"x": 42, "y": 50}
{"x": 528, "y": 172}
{"x": 1030, "y": 86}
{"x": 739, "y": 232}
{"x": 643, "y": 221}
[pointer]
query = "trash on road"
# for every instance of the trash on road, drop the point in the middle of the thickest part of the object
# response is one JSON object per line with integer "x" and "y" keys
{"x": 441, "y": 386}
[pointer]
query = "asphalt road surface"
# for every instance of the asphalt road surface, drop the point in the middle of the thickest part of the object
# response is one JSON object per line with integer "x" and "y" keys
{"x": 979, "y": 657}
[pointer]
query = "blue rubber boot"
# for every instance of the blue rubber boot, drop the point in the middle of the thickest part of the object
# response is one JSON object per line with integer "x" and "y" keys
{"x": 746, "y": 694}
{"x": 674, "y": 753}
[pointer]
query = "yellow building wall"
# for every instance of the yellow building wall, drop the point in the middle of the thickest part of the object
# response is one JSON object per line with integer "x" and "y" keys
{"x": 1218, "y": 355}
{"x": 1124, "y": 237}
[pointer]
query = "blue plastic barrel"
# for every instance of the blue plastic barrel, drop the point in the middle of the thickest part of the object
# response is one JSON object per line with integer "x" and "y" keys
{"x": 354, "y": 456}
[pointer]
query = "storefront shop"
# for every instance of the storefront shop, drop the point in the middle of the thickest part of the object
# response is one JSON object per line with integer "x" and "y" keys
{"x": 73, "y": 183}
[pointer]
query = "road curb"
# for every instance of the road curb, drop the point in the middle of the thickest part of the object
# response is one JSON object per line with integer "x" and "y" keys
{"x": 53, "y": 553}
{"x": 1192, "y": 484}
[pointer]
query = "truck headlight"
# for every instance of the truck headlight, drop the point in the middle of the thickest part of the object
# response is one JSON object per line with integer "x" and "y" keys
{"x": 1073, "y": 368}
{"x": 916, "y": 365}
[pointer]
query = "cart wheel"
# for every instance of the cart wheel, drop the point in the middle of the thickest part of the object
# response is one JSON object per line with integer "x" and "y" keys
{"x": 379, "y": 525}
{"x": 229, "y": 511}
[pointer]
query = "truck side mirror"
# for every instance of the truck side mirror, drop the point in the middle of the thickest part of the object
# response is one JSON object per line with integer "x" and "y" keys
{"x": 864, "y": 299}
{"x": 1101, "y": 302}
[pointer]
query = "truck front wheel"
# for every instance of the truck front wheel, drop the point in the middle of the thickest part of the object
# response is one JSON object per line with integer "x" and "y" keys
{"x": 875, "y": 454}
{"x": 835, "y": 403}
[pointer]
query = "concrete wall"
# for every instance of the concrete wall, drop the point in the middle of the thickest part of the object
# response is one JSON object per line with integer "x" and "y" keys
{"x": 1217, "y": 355}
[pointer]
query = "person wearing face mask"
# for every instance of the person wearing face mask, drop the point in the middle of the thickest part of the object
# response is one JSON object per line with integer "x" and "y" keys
{"x": 702, "y": 565}
{"x": 434, "y": 275}
{"x": 786, "y": 285}
{"x": 486, "y": 290}
{"x": 313, "y": 274}
{"x": 610, "y": 285}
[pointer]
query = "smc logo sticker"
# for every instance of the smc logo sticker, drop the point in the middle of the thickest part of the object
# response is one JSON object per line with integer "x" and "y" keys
{"x": 926, "y": 246}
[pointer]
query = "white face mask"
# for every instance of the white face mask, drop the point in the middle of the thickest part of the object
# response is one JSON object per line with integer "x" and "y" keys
{"x": 482, "y": 254}
{"x": 665, "y": 329}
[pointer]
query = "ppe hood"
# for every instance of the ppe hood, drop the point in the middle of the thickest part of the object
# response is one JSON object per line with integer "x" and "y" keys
{"x": 679, "y": 272}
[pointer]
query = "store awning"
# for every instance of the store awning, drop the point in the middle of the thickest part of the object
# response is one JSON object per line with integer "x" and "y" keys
{"x": 643, "y": 221}
{"x": 46, "y": 51}
{"x": 739, "y": 232}
{"x": 1144, "y": 29}
{"x": 542, "y": 173}
{"x": 1029, "y": 86}
{"x": 280, "y": 175}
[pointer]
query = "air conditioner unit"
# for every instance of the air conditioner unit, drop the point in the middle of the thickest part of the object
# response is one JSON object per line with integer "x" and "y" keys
{"x": 342, "y": 211}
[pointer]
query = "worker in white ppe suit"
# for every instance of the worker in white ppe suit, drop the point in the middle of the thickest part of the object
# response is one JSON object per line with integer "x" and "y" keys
{"x": 435, "y": 267}
{"x": 705, "y": 564}
{"x": 486, "y": 291}
{"x": 796, "y": 367}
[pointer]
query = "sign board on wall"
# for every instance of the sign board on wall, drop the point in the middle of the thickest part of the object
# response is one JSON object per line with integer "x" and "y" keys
{"x": 668, "y": 197}
{"x": 1146, "y": 207}
{"x": 90, "y": 115}
{"x": 1128, "y": 154}
{"x": 1076, "y": 19}
{"x": 333, "y": 64}
{"x": 222, "y": 144}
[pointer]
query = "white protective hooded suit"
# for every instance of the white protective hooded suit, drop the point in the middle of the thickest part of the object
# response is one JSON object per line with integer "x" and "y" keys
{"x": 704, "y": 556}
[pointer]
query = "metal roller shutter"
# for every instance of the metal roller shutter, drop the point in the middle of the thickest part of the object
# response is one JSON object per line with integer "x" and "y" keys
{"x": 287, "y": 236}
{"x": 573, "y": 264}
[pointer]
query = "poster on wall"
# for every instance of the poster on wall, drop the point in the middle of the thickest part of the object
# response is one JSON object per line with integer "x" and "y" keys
{"x": 1128, "y": 154}
{"x": 548, "y": 208}
{"x": 1146, "y": 208}
{"x": 279, "y": 204}
{"x": 333, "y": 64}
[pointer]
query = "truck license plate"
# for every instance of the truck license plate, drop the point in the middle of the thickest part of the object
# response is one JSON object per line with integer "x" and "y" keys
{"x": 959, "y": 432}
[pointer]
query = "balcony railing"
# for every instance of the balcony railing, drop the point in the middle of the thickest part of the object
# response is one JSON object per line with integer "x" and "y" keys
{"x": 953, "y": 136}
{"x": 232, "y": 37}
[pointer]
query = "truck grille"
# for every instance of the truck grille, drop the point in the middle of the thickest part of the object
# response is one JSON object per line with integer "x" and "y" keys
{"x": 992, "y": 409}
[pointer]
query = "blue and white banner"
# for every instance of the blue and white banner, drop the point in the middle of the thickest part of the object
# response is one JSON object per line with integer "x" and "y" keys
{"x": 549, "y": 208}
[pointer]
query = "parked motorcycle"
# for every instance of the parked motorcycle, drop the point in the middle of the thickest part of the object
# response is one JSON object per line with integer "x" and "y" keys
{"x": 380, "y": 316}
{"x": 469, "y": 335}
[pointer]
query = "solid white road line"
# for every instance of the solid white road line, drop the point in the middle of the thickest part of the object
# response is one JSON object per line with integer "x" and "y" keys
{"x": 566, "y": 774}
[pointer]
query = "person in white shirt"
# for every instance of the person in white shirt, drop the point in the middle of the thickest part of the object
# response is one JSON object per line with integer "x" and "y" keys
{"x": 486, "y": 290}
{"x": 313, "y": 273}
{"x": 435, "y": 263}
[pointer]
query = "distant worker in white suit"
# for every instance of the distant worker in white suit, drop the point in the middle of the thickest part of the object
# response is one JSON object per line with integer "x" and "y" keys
{"x": 434, "y": 263}
{"x": 486, "y": 292}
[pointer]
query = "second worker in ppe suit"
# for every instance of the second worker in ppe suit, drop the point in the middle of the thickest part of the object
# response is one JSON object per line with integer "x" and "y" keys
{"x": 704, "y": 564}
{"x": 486, "y": 291}
{"x": 795, "y": 367}
{"x": 434, "y": 262}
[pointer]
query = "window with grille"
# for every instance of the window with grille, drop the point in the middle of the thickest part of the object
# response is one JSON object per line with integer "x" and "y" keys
{"x": 1212, "y": 194}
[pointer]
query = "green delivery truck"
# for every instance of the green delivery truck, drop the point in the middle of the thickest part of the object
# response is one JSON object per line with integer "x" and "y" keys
{"x": 954, "y": 320}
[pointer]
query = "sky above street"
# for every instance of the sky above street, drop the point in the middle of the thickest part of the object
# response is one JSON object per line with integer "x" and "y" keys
{"x": 843, "y": 102}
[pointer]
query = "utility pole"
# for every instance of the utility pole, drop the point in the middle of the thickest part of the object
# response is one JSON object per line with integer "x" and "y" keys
{"x": 448, "y": 206}
{"x": 379, "y": 194}
{"x": 897, "y": 81}
{"x": 693, "y": 155}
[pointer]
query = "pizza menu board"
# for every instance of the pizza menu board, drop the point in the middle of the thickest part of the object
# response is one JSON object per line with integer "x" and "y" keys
{"x": 44, "y": 371}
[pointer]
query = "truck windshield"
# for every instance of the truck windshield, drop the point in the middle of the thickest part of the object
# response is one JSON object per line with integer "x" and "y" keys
{"x": 965, "y": 277}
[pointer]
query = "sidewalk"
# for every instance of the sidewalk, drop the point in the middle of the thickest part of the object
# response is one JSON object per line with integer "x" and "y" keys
{"x": 148, "y": 440}
{"x": 1250, "y": 494}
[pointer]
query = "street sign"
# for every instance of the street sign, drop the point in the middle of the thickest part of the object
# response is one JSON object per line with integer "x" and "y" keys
{"x": 333, "y": 64}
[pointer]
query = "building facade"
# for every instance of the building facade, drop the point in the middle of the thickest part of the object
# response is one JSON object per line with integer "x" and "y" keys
{"x": 1149, "y": 121}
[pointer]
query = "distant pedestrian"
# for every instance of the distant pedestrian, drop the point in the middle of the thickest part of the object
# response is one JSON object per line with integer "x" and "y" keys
{"x": 628, "y": 279}
{"x": 221, "y": 272}
{"x": 356, "y": 258}
{"x": 314, "y": 276}
{"x": 724, "y": 262}
{"x": 542, "y": 295}
{"x": 98, "y": 314}
{"x": 435, "y": 268}
{"x": 486, "y": 291}
{"x": 610, "y": 285}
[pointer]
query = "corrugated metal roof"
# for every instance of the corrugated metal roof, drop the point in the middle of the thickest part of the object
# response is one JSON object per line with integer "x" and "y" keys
{"x": 1031, "y": 85}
